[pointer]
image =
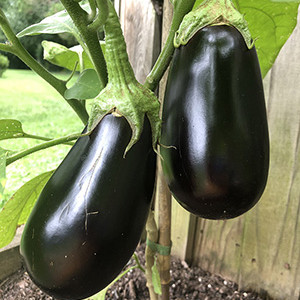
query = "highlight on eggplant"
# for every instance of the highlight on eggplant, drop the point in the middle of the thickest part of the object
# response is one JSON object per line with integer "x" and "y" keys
{"x": 214, "y": 118}
{"x": 89, "y": 217}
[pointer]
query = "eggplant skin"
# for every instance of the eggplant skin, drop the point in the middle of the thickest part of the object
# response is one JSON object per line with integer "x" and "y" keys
{"x": 90, "y": 215}
{"x": 214, "y": 119}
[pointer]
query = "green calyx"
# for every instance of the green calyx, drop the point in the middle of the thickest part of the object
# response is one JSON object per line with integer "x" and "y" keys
{"x": 210, "y": 13}
{"x": 124, "y": 95}
{"x": 132, "y": 101}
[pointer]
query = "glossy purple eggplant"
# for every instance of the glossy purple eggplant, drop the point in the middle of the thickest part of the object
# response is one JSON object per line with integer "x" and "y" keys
{"x": 89, "y": 217}
{"x": 214, "y": 119}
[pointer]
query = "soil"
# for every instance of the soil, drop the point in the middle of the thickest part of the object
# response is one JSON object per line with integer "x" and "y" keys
{"x": 188, "y": 283}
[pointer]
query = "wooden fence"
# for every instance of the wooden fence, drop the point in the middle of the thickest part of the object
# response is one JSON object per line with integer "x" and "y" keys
{"x": 261, "y": 249}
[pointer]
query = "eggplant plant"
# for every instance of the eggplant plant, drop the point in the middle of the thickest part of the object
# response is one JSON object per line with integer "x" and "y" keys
{"x": 212, "y": 139}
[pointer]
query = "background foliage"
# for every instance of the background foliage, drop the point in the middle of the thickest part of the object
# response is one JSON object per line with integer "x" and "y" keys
{"x": 21, "y": 14}
{"x": 4, "y": 63}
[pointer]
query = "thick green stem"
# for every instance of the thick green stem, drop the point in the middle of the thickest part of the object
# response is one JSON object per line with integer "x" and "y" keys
{"x": 182, "y": 7}
{"x": 81, "y": 20}
{"x": 123, "y": 93}
{"x": 16, "y": 48}
{"x": 118, "y": 66}
{"x": 42, "y": 146}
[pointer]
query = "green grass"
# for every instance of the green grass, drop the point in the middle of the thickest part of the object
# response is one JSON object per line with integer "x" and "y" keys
{"x": 26, "y": 97}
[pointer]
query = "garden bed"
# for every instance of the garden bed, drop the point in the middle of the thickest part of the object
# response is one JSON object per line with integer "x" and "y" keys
{"x": 187, "y": 283}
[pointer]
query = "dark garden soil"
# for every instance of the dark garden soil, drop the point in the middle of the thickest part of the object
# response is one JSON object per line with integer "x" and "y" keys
{"x": 187, "y": 283}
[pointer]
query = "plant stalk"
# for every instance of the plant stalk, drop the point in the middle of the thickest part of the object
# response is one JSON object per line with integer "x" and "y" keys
{"x": 163, "y": 198}
{"x": 42, "y": 146}
{"x": 171, "y": 22}
{"x": 152, "y": 234}
{"x": 90, "y": 36}
{"x": 181, "y": 8}
{"x": 138, "y": 264}
{"x": 102, "y": 14}
{"x": 123, "y": 93}
{"x": 119, "y": 69}
{"x": 42, "y": 138}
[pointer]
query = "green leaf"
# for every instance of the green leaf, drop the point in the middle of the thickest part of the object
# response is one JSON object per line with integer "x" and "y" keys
{"x": 87, "y": 86}
{"x": 66, "y": 57}
{"x": 270, "y": 23}
{"x": 2, "y": 171}
{"x": 58, "y": 23}
{"x": 156, "y": 278}
{"x": 10, "y": 128}
{"x": 101, "y": 295}
{"x": 17, "y": 209}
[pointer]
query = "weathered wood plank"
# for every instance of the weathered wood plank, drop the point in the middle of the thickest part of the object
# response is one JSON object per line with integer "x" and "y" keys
{"x": 140, "y": 25}
{"x": 261, "y": 250}
{"x": 10, "y": 258}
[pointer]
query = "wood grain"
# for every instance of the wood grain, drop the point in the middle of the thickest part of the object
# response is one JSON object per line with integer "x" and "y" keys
{"x": 140, "y": 25}
{"x": 10, "y": 257}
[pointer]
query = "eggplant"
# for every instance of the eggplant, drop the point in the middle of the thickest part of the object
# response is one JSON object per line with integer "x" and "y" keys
{"x": 90, "y": 215}
{"x": 215, "y": 143}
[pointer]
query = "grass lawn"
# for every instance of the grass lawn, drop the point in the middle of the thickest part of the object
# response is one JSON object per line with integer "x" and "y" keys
{"x": 26, "y": 97}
